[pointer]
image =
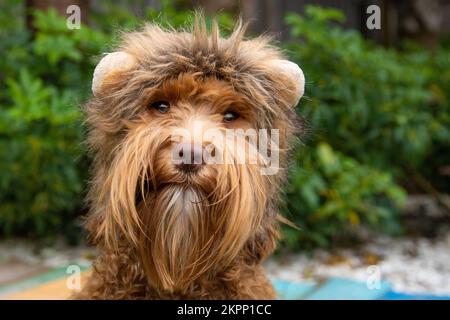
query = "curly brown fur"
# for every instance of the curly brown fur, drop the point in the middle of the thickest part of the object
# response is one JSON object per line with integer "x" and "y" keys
{"x": 162, "y": 233}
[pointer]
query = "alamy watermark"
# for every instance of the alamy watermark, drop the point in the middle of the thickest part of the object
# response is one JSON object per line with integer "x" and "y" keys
{"x": 373, "y": 280}
{"x": 74, "y": 17}
{"x": 73, "y": 281}
{"x": 228, "y": 146}
{"x": 373, "y": 22}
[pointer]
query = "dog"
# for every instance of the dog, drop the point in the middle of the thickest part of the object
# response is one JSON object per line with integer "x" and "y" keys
{"x": 169, "y": 224}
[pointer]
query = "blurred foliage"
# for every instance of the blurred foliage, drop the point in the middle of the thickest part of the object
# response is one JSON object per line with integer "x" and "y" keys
{"x": 43, "y": 79}
{"x": 373, "y": 111}
{"x": 375, "y": 114}
{"x": 380, "y": 106}
{"x": 330, "y": 195}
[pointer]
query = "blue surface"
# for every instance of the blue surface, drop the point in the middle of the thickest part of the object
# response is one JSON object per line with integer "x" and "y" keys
{"x": 392, "y": 295}
{"x": 332, "y": 289}
{"x": 344, "y": 289}
{"x": 288, "y": 290}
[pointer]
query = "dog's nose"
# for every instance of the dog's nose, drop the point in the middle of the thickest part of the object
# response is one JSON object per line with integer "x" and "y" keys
{"x": 188, "y": 156}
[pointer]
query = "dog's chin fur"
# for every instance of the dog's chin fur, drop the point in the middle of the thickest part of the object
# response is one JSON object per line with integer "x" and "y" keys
{"x": 190, "y": 232}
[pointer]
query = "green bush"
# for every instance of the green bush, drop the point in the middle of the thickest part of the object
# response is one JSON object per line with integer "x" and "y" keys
{"x": 369, "y": 102}
{"x": 42, "y": 163}
{"x": 330, "y": 195}
{"x": 378, "y": 113}
{"x": 438, "y": 68}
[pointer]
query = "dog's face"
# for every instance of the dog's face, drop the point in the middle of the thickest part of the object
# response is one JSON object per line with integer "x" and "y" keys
{"x": 183, "y": 179}
{"x": 188, "y": 119}
{"x": 195, "y": 212}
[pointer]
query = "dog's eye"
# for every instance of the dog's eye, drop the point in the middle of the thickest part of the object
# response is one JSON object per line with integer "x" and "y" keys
{"x": 230, "y": 116}
{"x": 161, "y": 106}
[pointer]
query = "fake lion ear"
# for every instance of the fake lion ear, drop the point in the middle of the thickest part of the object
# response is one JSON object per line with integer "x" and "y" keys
{"x": 110, "y": 64}
{"x": 293, "y": 78}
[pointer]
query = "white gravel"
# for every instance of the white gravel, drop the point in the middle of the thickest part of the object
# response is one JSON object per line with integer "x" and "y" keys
{"x": 410, "y": 266}
{"x": 35, "y": 254}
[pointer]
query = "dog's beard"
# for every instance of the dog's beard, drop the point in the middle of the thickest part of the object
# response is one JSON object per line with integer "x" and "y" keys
{"x": 182, "y": 226}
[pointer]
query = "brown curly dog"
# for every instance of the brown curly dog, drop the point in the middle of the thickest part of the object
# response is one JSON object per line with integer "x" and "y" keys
{"x": 190, "y": 134}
